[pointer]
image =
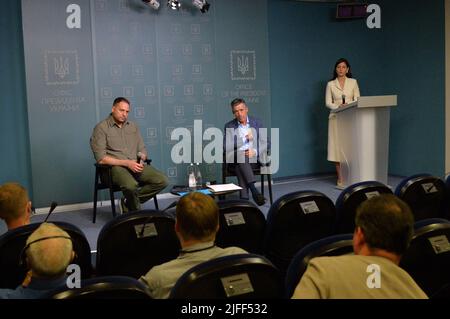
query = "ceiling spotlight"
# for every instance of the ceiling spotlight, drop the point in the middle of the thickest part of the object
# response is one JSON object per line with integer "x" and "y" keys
{"x": 201, "y": 4}
{"x": 174, "y": 4}
{"x": 152, "y": 3}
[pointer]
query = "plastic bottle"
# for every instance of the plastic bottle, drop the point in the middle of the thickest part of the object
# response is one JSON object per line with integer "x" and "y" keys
{"x": 198, "y": 176}
{"x": 192, "y": 183}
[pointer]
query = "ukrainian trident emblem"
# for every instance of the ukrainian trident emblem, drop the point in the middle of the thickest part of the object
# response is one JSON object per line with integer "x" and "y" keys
{"x": 61, "y": 67}
{"x": 242, "y": 64}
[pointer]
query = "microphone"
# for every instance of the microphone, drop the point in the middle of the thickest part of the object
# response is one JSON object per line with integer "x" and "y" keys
{"x": 173, "y": 204}
{"x": 343, "y": 98}
{"x": 52, "y": 208}
{"x": 139, "y": 157}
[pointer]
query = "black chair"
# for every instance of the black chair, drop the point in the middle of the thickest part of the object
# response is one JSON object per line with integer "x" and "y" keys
{"x": 425, "y": 195}
{"x": 12, "y": 242}
{"x": 443, "y": 293}
{"x": 229, "y": 171}
{"x": 124, "y": 250}
{"x": 350, "y": 199}
{"x": 336, "y": 245}
{"x": 295, "y": 220}
{"x": 427, "y": 259}
{"x": 242, "y": 224}
{"x": 242, "y": 276}
{"x": 103, "y": 180}
{"x": 109, "y": 287}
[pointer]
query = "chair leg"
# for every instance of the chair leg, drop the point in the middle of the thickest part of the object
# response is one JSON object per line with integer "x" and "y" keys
{"x": 262, "y": 184}
{"x": 156, "y": 202}
{"x": 269, "y": 180}
{"x": 113, "y": 204}
{"x": 94, "y": 214}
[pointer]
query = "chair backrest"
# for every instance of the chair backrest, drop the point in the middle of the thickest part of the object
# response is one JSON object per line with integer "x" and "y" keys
{"x": 12, "y": 242}
{"x": 425, "y": 194}
{"x": 336, "y": 245}
{"x": 427, "y": 259}
{"x": 239, "y": 276}
{"x": 108, "y": 287}
{"x": 295, "y": 220}
{"x": 350, "y": 199}
{"x": 122, "y": 248}
{"x": 447, "y": 195}
{"x": 242, "y": 224}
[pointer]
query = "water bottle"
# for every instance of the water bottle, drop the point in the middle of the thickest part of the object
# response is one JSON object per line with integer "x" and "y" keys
{"x": 198, "y": 176}
{"x": 192, "y": 183}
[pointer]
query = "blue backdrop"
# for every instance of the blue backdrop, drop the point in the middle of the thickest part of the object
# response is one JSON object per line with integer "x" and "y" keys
{"x": 296, "y": 45}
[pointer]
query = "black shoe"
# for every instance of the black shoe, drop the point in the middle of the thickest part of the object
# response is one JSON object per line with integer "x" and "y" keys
{"x": 259, "y": 199}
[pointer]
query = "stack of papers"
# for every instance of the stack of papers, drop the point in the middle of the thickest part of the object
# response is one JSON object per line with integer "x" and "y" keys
{"x": 223, "y": 188}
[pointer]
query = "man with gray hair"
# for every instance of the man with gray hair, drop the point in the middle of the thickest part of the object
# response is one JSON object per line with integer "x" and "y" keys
{"x": 48, "y": 252}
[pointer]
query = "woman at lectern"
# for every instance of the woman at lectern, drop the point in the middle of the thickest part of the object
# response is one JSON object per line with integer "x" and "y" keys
{"x": 341, "y": 89}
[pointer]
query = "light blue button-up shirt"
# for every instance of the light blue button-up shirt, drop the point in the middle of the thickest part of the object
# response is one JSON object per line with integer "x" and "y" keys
{"x": 243, "y": 131}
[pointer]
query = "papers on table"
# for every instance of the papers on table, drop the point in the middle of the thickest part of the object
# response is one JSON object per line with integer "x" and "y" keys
{"x": 223, "y": 188}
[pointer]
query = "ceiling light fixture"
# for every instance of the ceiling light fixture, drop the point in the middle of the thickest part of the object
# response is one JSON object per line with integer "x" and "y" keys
{"x": 152, "y": 3}
{"x": 202, "y": 5}
{"x": 174, "y": 4}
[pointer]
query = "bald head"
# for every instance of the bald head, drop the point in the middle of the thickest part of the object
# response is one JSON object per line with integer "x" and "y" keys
{"x": 49, "y": 257}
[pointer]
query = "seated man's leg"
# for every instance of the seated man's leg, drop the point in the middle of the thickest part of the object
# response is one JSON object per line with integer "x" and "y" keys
{"x": 128, "y": 184}
{"x": 152, "y": 182}
{"x": 244, "y": 177}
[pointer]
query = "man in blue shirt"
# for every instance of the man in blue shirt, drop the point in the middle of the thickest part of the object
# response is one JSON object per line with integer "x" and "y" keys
{"x": 244, "y": 146}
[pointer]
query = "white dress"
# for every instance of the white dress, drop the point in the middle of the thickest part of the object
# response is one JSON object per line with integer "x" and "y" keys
{"x": 333, "y": 98}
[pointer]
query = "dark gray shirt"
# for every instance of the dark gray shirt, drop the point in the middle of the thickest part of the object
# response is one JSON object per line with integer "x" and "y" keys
{"x": 118, "y": 142}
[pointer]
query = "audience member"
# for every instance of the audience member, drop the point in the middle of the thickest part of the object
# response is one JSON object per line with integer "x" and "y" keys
{"x": 197, "y": 222}
{"x": 384, "y": 227}
{"x": 48, "y": 252}
{"x": 15, "y": 205}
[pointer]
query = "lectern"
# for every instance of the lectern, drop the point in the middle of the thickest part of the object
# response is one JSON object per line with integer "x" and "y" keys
{"x": 363, "y": 138}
